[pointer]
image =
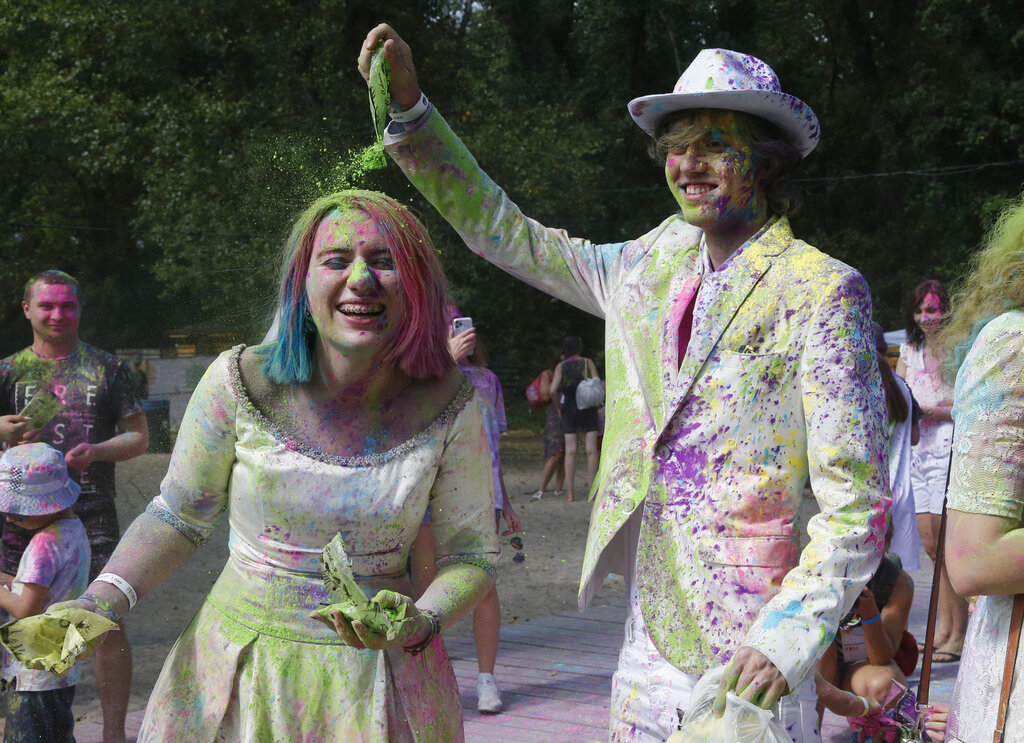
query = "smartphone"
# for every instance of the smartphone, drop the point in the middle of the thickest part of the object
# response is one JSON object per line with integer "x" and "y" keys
{"x": 462, "y": 324}
{"x": 41, "y": 409}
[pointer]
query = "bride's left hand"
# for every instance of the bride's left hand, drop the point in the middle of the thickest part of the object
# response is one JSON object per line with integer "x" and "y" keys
{"x": 414, "y": 628}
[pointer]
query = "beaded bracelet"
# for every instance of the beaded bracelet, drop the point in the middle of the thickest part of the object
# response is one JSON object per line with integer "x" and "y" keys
{"x": 435, "y": 630}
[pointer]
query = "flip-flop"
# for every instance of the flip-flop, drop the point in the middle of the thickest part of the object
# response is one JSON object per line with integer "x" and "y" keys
{"x": 537, "y": 495}
{"x": 950, "y": 657}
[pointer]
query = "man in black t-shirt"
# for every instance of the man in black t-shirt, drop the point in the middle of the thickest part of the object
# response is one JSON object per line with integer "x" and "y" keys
{"x": 100, "y": 421}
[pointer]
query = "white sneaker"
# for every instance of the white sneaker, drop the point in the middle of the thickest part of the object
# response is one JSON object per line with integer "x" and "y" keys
{"x": 488, "y": 700}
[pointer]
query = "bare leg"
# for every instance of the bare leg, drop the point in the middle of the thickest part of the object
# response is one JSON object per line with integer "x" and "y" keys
{"x": 952, "y": 609}
{"x": 928, "y": 535}
{"x": 590, "y": 442}
{"x": 551, "y": 467}
{"x": 928, "y": 528}
{"x": 570, "y": 466}
{"x": 113, "y": 667}
{"x": 486, "y": 626}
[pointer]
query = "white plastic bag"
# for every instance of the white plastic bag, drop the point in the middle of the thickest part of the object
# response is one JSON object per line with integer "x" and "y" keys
{"x": 742, "y": 722}
{"x": 589, "y": 393}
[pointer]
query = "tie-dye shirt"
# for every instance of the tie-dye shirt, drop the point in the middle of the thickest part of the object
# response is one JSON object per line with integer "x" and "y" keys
{"x": 56, "y": 557}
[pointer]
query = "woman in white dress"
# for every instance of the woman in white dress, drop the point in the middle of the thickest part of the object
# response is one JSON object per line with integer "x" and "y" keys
{"x": 920, "y": 364}
{"x": 352, "y": 421}
{"x": 985, "y": 541}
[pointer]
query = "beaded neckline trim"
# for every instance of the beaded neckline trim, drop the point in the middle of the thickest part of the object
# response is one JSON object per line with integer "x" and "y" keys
{"x": 443, "y": 419}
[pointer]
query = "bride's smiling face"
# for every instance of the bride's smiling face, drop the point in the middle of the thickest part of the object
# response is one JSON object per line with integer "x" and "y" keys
{"x": 352, "y": 286}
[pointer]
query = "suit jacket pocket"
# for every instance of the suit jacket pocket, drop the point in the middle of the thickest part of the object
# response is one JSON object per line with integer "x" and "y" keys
{"x": 753, "y": 564}
{"x": 759, "y": 552}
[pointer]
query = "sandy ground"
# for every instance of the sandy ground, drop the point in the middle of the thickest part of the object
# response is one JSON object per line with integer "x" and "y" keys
{"x": 544, "y": 583}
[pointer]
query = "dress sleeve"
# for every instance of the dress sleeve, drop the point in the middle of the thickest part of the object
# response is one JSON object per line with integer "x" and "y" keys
{"x": 499, "y": 406}
{"x": 194, "y": 493}
{"x": 462, "y": 497}
{"x": 987, "y": 474}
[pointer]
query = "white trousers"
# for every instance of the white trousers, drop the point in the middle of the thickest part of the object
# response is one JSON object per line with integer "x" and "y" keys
{"x": 650, "y": 695}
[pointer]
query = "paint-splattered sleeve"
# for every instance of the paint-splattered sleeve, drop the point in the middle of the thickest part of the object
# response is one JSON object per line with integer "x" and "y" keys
{"x": 847, "y": 456}
{"x": 462, "y": 497}
{"x": 576, "y": 271}
{"x": 987, "y": 473}
{"x": 193, "y": 494}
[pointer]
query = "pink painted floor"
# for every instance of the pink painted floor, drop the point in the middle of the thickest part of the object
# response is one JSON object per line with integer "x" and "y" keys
{"x": 555, "y": 678}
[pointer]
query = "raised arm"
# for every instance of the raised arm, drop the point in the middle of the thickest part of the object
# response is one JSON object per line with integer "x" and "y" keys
{"x": 437, "y": 163}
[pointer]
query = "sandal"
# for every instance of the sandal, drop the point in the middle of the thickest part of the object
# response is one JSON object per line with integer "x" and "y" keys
{"x": 537, "y": 495}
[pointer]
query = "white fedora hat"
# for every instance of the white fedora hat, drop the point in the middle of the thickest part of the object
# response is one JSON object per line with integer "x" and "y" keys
{"x": 720, "y": 78}
{"x": 34, "y": 481}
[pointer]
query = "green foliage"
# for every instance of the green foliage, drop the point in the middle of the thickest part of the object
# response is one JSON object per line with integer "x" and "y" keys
{"x": 180, "y": 139}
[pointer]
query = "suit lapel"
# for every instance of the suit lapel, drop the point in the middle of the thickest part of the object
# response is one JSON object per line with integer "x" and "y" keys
{"x": 684, "y": 283}
{"x": 743, "y": 275}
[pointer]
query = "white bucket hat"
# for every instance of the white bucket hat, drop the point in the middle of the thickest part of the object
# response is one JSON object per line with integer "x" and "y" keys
{"x": 720, "y": 78}
{"x": 34, "y": 481}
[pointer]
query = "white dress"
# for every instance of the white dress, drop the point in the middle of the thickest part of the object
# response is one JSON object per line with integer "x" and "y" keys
{"x": 906, "y": 542}
{"x": 253, "y": 665}
{"x": 930, "y": 461}
{"x": 988, "y": 478}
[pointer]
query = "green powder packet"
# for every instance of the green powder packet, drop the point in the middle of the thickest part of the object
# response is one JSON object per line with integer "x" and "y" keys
{"x": 41, "y": 409}
{"x": 348, "y": 598}
{"x": 54, "y": 640}
{"x": 380, "y": 90}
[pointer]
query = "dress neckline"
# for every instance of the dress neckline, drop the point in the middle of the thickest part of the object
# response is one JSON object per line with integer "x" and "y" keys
{"x": 444, "y": 418}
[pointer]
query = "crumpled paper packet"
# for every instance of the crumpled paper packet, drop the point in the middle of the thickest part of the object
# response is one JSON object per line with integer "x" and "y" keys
{"x": 54, "y": 640}
{"x": 348, "y": 598}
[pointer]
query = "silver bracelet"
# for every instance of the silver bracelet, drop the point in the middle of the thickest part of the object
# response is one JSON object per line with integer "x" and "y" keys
{"x": 122, "y": 585}
{"x": 412, "y": 113}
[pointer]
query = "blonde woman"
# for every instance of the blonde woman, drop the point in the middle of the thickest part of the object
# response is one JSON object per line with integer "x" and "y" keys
{"x": 985, "y": 541}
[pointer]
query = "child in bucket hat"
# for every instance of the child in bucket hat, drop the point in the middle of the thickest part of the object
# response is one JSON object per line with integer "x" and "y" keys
{"x": 37, "y": 494}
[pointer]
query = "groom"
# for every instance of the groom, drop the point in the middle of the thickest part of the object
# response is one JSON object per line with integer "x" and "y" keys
{"x": 738, "y": 361}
